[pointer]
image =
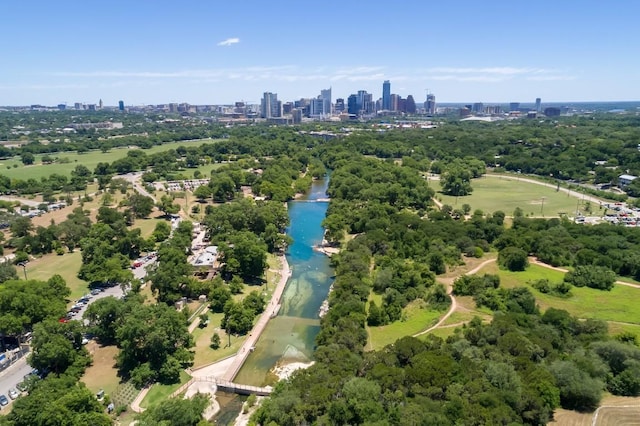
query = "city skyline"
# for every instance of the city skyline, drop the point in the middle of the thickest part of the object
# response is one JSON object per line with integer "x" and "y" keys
{"x": 207, "y": 53}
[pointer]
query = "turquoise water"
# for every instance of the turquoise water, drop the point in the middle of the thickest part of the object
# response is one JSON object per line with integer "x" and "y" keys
{"x": 290, "y": 336}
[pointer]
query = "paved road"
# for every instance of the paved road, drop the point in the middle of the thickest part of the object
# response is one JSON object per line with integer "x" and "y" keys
{"x": 13, "y": 375}
{"x": 134, "y": 178}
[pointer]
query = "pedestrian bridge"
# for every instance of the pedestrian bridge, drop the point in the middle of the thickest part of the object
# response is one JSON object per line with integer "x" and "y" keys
{"x": 317, "y": 200}
{"x": 227, "y": 386}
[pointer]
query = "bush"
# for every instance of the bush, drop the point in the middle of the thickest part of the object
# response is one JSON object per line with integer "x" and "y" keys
{"x": 513, "y": 259}
{"x": 598, "y": 277}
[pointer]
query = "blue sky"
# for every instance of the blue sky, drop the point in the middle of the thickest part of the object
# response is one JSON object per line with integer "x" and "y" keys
{"x": 214, "y": 52}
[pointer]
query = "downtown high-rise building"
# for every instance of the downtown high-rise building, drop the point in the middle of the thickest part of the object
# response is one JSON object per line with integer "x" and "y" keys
{"x": 325, "y": 95}
{"x": 430, "y": 104}
{"x": 386, "y": 95}
{"x": 538, "y": 105}
{"x": 270, "y": 107}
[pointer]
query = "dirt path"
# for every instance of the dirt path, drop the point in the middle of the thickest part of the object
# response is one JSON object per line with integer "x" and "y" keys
{"x": 534, "y": 261}
{"x": 454, "y": 302}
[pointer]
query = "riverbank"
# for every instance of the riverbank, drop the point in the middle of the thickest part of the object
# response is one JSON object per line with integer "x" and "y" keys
{"x": 271, "y": 310}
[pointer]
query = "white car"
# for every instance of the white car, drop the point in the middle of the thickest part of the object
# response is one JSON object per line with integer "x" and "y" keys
{"x": 13, "y": 393}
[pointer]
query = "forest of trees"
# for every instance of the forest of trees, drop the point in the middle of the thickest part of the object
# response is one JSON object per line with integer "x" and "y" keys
{"x": 515, "y": 369}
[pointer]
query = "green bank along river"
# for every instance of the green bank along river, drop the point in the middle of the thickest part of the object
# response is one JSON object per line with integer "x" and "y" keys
{"x": 290, "y": 336}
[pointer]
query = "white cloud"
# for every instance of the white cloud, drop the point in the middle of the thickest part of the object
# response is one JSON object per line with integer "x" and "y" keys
{"x": 229, "y": 41}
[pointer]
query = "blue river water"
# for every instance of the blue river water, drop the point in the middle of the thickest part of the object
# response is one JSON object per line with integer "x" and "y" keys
{"x": 290, "y": 336}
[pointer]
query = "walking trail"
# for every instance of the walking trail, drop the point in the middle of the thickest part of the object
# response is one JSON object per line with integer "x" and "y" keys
{"x": 454, "y": 303}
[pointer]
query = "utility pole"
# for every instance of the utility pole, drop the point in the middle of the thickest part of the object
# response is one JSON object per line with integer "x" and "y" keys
{"x": 24, "y": 269}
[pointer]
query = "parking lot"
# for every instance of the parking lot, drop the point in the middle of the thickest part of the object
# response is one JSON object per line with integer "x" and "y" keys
{"x": 15, "y": 373}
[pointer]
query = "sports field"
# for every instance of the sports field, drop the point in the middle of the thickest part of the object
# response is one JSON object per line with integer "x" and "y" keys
{"x": 493, "y": 193}
{"x": 88, "y": 159}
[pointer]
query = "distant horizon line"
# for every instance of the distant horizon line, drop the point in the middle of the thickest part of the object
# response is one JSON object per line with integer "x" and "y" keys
{"x": 448, "y": 103}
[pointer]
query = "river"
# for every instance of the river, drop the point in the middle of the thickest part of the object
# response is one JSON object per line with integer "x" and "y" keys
{"x": 290, "y": 337}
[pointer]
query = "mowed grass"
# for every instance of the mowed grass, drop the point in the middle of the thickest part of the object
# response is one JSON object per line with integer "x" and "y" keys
{"x": 492, "y": 193}
{"x": 160, "y": 392}
{"x": 416, "y": 317}
{"x": 619, "y": 304}
{"x": 89, "y": 159}
{"x": 102, "y": 374}
{"x": 67, "y": 266}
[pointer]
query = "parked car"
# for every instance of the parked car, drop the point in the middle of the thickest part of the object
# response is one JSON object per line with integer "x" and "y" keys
{"x": 13, "y": 393}
{"x": 3, "y": 400}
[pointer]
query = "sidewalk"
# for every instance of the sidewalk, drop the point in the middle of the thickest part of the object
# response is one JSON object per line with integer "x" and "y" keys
{"x": 135, "y": 405}
{"x": 271, "y": 310}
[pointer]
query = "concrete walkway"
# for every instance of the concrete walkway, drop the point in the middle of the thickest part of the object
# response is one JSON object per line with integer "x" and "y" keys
{"x": 135, "y": 405}
{"x": 271, "y": 310}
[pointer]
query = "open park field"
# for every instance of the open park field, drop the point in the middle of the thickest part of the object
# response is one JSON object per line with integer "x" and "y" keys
{"x": 88, "y": 159}
{"x": 618, "y": 306}
{"x": 415, "y": 318}
{"x": 613, "y": 411}
{"x": 493, "y": 193}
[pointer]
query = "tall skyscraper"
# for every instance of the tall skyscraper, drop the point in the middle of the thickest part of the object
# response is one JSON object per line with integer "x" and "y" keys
{"x": 325, "y": 95}
{"x": 430, "y": 104}
{"x": 339, "y": 105}
{"x": 514, "y": 106}
{"x": 316, "y": 108}
{"x": 538, "y": 105}
{"x": 100, "y": 104}
{"x": 270, "y": 107}
{"x": 386, "y": 95}
{"x": 121, "y": 105}
{"x": 352, "y": 104}
{"x": 410, "y": 105}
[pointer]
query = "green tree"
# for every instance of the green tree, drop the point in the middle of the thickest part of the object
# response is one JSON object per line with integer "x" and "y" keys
{"x": 27, "y": 158}
{"x": 456, "y": 180}
{"x": 167, "y": 206}
{"x": 57, "y": 346}
{"x": 7, "y": 272}
{"x": 162, "y": 231}
{"x": 598, "y": 277}
{"x": 141, "y": 205}
{"x": 513, "y": 259}
{"x": 58, "y": 401}
{"x": 175, "y": 412}
{"x": 215, "y": 341}
{"x": 245, "y": 254}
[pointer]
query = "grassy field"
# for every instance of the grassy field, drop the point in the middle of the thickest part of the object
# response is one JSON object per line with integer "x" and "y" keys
{"x": 494, "y": 193}
{"x": 415, "y": 319}
{"x": 67, "y": 266}
{"x": 102, "y": 374}
{"x": 160, "y": 392}
{"x": 619, "y": 304}
{"x": 89, "y": 159}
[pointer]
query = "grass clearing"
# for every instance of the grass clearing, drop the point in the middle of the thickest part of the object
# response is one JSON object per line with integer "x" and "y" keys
{"x": 89, "y": 159}
{"x": 619, "y": 304}
{"x": 102, "y": 374}
{"x": 160, "y": 392}
{"x": 416, "y": 317}
{"x": 491, "y": 193}
{"x": 67, "y": 266}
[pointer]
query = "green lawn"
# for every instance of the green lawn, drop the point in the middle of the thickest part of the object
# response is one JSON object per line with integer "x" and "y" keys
{"x": 416, "y": 319}
{"x": 491, "y": 193}
{"x": 89, "y": 159}
{"x": 67, "y": 266}
{"x": 160, "y": 392}
{"x": 619, "y": 304}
